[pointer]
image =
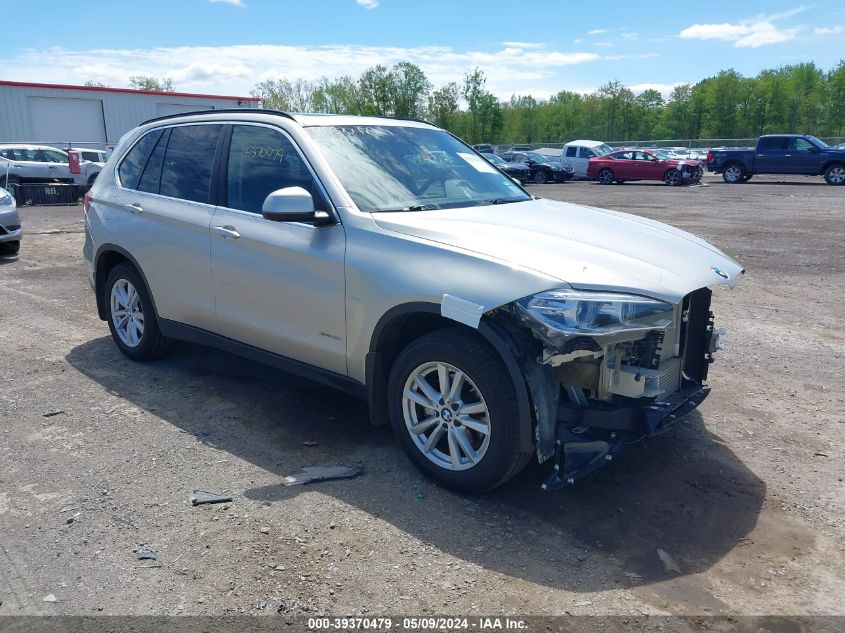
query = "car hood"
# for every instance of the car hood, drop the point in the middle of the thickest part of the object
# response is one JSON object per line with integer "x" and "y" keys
{"x": 584, "y": 247}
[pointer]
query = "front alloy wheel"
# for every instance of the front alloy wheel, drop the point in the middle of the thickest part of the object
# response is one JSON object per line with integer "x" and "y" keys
{"x": 672, "y": 178}
{"x": 446, "y": 416}
{"x": 835, "y": 175}
{"x": 453, "y": 408}
{"x": 540, "y": 177}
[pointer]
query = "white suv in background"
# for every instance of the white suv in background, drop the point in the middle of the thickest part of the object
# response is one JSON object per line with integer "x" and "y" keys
{"x": 21, "y": 164}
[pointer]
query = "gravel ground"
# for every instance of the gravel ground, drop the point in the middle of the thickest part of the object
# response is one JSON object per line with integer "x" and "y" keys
{"x": 745, "y": 497}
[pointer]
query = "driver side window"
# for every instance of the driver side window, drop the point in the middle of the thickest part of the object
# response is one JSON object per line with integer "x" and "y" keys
{"x": 262, "y": 160}
{"x": 801, "y": 145}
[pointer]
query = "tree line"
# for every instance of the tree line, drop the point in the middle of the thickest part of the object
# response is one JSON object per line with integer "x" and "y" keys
{"x": 801, "y": 98}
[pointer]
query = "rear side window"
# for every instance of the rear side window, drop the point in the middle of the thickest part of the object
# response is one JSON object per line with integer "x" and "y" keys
{"x": 262, "y": 160}
{"x": 151, "y": 178}
{"x": 773, "y": 144}
{"x": 188, "y": 162}
{"x": 133, "y": 164}
{"x": 571, "y": 151}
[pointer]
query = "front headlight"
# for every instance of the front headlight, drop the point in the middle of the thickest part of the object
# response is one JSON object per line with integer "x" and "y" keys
{"x": 558, "y": 315}
{"x": 6, "y": 198}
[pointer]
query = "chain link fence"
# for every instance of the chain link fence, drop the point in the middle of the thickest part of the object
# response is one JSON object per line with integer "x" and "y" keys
{"x": 689, "y": 144}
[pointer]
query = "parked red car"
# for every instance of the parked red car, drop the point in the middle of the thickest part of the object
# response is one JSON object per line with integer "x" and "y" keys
{"x": 641, "y": 164}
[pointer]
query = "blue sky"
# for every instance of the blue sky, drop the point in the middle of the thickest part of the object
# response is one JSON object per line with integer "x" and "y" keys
{"x": 536, "y": 47}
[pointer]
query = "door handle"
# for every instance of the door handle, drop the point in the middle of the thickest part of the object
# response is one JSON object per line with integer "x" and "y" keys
{"x": 226, "y": 231}
{"x": 134, "y": 208}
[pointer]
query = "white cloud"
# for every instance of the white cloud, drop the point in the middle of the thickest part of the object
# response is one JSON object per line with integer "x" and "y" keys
{"x": 577, "y": 40}
{"x": 604, "y": 44}
{"x": 368, "y": 4}
{"x": 663, "y": 89}
{"x": 598, "y": 31}
{"x": 833, "y": 30}
{"x": 234, "y": 3}
{"x": 523, "y": 44}
{"x": 753, "y": 32}
{"x": 524, "y": 67}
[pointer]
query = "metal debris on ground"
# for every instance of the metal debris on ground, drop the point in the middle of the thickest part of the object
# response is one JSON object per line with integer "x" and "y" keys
{"x": 201, "y": 496}
{"x": 50, "y": 414}
{"x": 312, "y": 474}
{"x": 669, "y": 564}
{"x": 310, "y": 443}
{"x": 147, "y": 554}
{"x": 49, "y": 598}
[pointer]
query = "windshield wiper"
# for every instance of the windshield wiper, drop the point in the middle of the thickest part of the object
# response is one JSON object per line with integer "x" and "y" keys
{"x": 415, "y": 207}
{"x": 503, "y": 200}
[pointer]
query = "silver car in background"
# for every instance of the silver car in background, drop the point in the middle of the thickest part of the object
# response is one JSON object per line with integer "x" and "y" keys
{"x": 386, "y": 258}
{"x": 10, "y": 224}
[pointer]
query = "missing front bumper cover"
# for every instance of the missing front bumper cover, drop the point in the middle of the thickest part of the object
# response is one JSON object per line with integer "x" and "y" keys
{"x": 588, "y": 438}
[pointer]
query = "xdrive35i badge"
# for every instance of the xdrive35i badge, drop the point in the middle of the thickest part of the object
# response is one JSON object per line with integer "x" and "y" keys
{"x": 720, "y": 272}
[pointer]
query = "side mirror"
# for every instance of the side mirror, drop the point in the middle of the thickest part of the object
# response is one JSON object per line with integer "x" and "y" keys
{"x": 293, "y": 204}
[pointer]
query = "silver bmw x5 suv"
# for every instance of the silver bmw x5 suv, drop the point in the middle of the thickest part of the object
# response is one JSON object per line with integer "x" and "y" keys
{"x": 388, "y": 259}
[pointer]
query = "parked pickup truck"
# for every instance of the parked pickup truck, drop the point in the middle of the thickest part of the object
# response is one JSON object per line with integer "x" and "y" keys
{"x": 780, "y": 154}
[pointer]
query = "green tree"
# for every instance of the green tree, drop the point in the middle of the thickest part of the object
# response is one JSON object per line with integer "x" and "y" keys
{"x": 144, "y": 82}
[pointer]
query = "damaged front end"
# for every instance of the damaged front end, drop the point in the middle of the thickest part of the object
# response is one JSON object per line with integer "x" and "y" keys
{"x": 611, "y": 369}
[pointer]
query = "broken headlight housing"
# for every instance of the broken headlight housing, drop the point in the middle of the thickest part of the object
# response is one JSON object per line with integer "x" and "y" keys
{"x": 559, "y": 315}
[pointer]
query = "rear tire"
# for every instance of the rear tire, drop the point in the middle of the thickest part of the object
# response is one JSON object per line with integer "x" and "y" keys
{"x": 605, "y": 176}
{"x": 131, "y": 315}
{"x": 479, "y": 417}
{"x": 10, "y": 248}
{"x": 734, "y": 174}
{"x": 835, "y": 175}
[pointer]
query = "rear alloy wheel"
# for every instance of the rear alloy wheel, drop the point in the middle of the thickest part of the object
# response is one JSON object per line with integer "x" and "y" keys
{"x": 453, "y": 410}
{"x": 131, "y": 315}
{"x": 733, "y": 175}
{"x": 540, "y": 177}
{"x": 835, "y": 175}
{"x": 672, "y": 178}
{"x": 605, "y": 177}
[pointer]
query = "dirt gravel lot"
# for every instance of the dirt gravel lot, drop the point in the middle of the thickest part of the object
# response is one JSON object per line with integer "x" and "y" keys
{"x": 99, "y": 455}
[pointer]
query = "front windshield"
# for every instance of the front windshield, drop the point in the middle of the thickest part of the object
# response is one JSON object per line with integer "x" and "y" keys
{"x": 494, "y": 159}
{"x": 397, "y": 168}
{"x": 602, "y": 150}
{"x": 818, "y": 142}
{"x": 662, "y": 155}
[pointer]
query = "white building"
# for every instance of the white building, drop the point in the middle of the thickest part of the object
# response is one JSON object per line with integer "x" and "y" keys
{"x": 84, "y": 116}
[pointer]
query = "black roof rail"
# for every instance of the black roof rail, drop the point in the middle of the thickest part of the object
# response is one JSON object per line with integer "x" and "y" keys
{"x": 223, "y": 111}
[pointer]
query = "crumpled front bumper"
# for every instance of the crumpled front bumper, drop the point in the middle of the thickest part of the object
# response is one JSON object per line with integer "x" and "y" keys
{"x": 588, "y": 438}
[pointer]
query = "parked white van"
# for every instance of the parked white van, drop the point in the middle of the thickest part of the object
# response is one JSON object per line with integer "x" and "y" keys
{"x": 578, "y": 154}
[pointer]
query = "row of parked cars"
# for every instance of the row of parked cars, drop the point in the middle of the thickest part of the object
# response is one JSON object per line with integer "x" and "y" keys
{"x": 22, "y": 164}
{"x": 794, "y": 154}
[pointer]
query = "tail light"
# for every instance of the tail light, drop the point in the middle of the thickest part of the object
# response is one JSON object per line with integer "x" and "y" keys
{"x": 709, "y": 156}
{"x": 86, "y": 202}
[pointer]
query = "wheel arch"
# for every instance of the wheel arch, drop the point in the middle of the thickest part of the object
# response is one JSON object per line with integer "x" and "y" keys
{"x": 406, "y": 322}
{"x": 831, "y": 163}
{"x": 108, "y": 256}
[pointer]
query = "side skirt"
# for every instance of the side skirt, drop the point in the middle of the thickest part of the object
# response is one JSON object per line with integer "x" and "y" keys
{"x": 191, "y": 334}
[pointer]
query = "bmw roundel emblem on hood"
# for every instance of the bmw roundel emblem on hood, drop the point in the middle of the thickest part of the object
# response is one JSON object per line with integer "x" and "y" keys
{"x": 720, "y": 272}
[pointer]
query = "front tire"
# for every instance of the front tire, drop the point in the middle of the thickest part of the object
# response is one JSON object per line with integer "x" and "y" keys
{"x": 453, "y": 409}
{"x": 10, "y": 248}
{"x": 733, "y": 174}
{"x": 605, "y": 176}
{"x": 131, "y": 315}
{"x": 540, "y": 177}
{"x": 835, "y": 175}
{"x": 673, "y": 178}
